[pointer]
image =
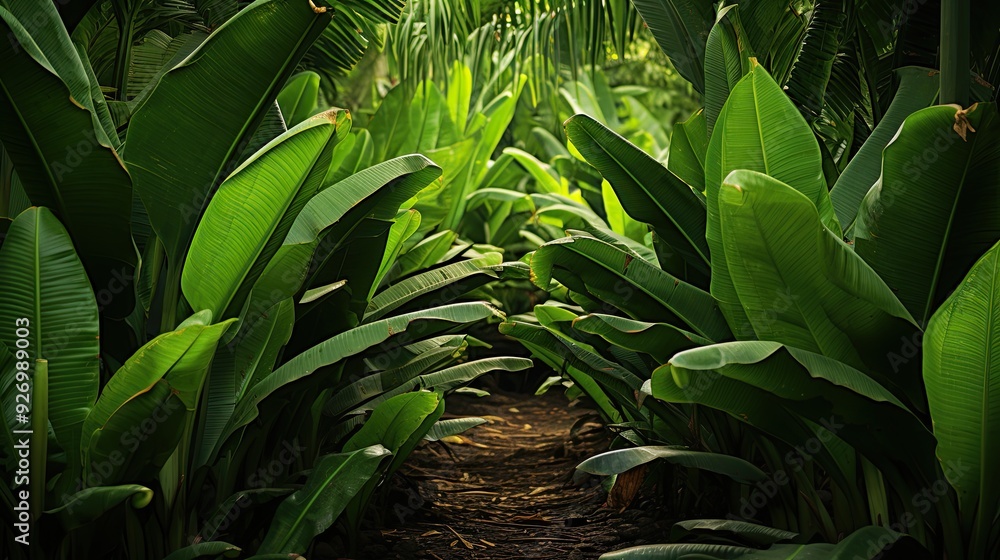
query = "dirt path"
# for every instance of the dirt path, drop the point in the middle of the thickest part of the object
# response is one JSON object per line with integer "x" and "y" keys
{"x": 507, "y": 490}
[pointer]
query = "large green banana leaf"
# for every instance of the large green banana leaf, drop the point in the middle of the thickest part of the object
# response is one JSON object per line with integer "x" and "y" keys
{"x": 850, "y": 404}
{"x": 447, "y": 379}
{"x": 62, "y": 155}
{"x": 159, "y": 386}
{"x": 354, "y": 341}
{"x": 867, "y": 543}
{"x": 918, "y": 87}
{"x": 254, "y": 209}
{"x": 963, "y": 391}
{"x": 759, "y": 129}
{"x": 750, "y": 404}
{"x": 441, "y": 285}
{"x": 355, "y": 395}
{"x": 727, "y": 60}
{"x": 648, "y": 191}
{"x": 329, "y": 219}
{"x": 749, "y": 533}
{"x": 51, "y": 45}
{"x": 604, "y": 272}
{"x": 179, "y": 148}
{"x": 659, "y": 340}
{"x": 933, "y": 211}
{"x": 800, "y": 285}
{"x": 681, "y": 28}
{"x": 398, "y": 424}
{"x": 90, "y": 504}
{"x": 45, "y": 296}
{"x": 583, "y": 363}
{"x": 334, "y": 481}
{"x": 621, "y": 460}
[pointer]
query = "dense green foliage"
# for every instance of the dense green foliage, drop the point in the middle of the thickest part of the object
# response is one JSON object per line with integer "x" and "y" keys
{"x": 238, "y": 310}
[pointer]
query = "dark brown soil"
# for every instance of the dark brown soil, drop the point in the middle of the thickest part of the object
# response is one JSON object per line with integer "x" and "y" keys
{"x": 507, "y": 490}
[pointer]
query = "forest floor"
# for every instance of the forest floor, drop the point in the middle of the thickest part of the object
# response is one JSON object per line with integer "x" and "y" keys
{"x": 507, "y": 490}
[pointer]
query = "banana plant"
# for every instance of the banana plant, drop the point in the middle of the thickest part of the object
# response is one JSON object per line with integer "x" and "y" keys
{"x": 244, "y": 235}
{"x": 825, "y": 269}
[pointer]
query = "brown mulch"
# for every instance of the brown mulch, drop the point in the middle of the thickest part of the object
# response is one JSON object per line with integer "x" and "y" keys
{"x": 507, "y": 490}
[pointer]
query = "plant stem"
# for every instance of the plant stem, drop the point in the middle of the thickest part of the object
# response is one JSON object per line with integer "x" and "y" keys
{"x": 955, "y": 31}
{"x": 171, "y": 297}
{"x": 125, "y": 19}
{"x": 39, "y": 435}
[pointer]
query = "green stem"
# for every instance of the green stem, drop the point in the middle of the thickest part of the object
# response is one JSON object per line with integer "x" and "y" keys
{"x": 39, "y": 435}
{"x": 171, "y": 297}
{"x": 123, "y": 60}
{"x": 955, "y": 31}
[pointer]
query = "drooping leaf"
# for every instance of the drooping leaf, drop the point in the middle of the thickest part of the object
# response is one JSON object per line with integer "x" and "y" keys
{"x": 621, "y": 460}
{"x": 452, "y": 426}
{"x": 479, "y": 271}
{"x": 800, "y": 285}
{"x": 352, "y": 342}
{"x": 329, "y": 489}
{"x": 64, "y": 158}
{"x": 252, "y": 212}
{"x": 648, "y": 191}
{"x": 750, "y": 533}
{"x": 90, "y": 504}
{"x": 867, "y": 543}
{"x": 659, "y": 340}
{"x": 180, "y": 147}
{"x": 846, "y": 402}
{"x": 932, "y": 212}
{"x": 645, "y": 292}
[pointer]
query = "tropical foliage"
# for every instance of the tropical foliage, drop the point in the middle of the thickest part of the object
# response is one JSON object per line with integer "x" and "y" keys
{"x": 233, "y": 310}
